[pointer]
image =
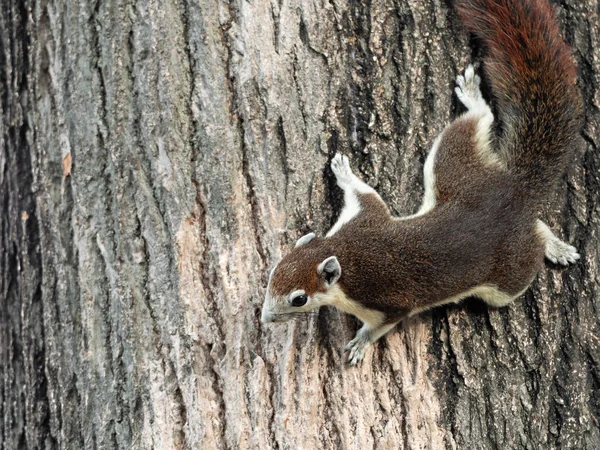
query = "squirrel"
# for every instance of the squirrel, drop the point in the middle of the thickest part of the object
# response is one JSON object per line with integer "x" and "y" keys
{"x": 477, "y": 232}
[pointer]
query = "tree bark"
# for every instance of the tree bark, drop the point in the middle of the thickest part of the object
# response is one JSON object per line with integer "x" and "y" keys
{"x": 157, "y": 158}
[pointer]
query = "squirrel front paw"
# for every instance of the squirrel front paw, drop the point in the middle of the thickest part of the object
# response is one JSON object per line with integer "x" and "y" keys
{"x": 357, "y": 347}
{"x": 340, "y": 166}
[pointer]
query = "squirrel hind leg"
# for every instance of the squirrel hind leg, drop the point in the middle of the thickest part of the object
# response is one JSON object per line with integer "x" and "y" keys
{"x": 557, "y": 251}
{"x": 468, "y": 91}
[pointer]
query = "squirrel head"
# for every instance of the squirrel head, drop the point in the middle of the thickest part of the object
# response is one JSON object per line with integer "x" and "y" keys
{"x": 305, "y": 279}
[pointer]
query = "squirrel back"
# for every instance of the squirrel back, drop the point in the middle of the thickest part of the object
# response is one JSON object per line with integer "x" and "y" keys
{"x": 532, "y": 76}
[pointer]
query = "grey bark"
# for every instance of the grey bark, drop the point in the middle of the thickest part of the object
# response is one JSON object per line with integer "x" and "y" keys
{"x": 157, "y": 157}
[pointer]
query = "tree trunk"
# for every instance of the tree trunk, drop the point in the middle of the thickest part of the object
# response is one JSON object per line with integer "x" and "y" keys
{"x": 157, "y": 159}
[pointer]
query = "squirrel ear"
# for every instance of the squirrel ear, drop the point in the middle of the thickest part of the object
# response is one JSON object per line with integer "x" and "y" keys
{"x": 331, "y": 269}
{"x": 305, "y": 239}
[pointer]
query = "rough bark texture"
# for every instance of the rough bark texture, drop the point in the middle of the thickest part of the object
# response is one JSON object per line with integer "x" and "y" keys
{"x": 157, "y": 157}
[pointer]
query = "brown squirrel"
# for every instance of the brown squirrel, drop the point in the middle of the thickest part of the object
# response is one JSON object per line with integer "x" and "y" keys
{"x": 477, "y": 231}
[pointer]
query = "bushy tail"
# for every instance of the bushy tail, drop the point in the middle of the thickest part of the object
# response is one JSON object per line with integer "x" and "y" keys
{"x": 532, "y": 75}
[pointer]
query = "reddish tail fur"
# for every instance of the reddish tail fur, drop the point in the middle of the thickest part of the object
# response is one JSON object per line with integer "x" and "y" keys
{"x": 532, "y": 75}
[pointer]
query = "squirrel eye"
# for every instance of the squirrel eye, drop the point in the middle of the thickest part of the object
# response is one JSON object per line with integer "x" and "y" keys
{"x": 299, "y": 300}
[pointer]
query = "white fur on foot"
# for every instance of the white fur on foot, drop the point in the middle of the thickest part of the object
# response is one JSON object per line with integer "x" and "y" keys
{"x": 351, "y": 185}
{"x": 469, "y": 94}
{"x": 557, "y": 251}
{"x": 340, "y": 165}
{"x": 467, "y": 89}
{"x": 357, "y": 347}
{"x": 560, "y": 252}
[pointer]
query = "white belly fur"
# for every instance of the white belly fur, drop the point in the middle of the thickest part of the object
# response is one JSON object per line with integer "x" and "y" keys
{"x": 487, "y": 292}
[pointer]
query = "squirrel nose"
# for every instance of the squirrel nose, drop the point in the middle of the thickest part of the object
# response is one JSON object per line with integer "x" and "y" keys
{"x": 266, "y": 317}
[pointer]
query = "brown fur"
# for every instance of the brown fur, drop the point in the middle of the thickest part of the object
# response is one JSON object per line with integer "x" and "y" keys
{"x": 458, "y": 167}
{"x": 532, "y": 75}
{"x": 298, "y": 270}
{"x": 479, "y": 232}
{"x": 482, "y": 229}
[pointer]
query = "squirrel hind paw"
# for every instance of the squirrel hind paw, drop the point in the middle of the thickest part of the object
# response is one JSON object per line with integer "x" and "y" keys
{"x": 470, "y": 76}
{"x": 467, "y": 89}
{"x": 560, "y": 252}
{"x": 470, "y": 80}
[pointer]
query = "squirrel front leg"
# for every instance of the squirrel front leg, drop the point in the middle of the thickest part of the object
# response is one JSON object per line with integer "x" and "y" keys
{"x": 366, "y": 336}
{"x": 354, "y": 190}
{"x": 359, "y": 199}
